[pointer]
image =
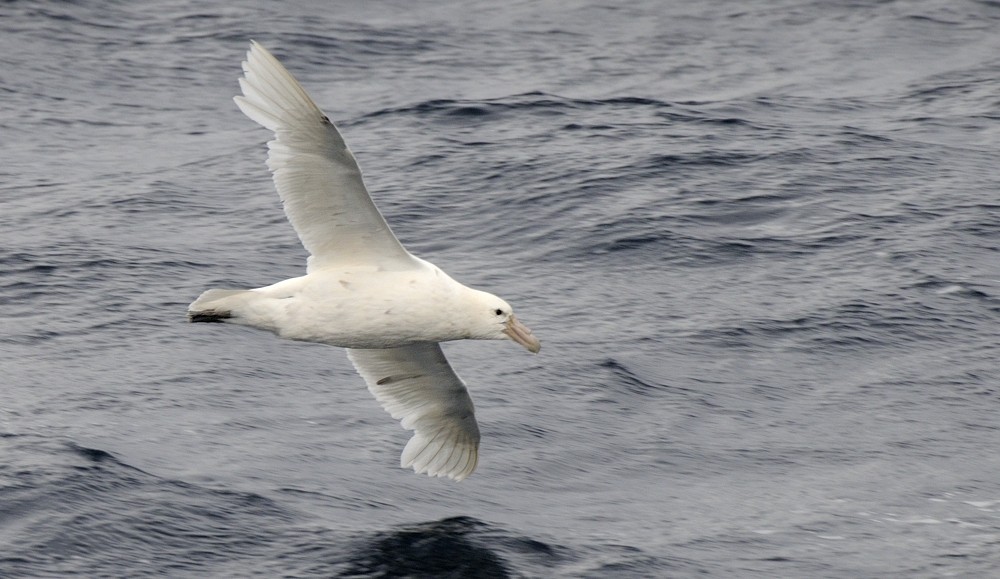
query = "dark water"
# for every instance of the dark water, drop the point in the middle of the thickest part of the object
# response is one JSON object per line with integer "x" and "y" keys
{"x": 759, "y": 241}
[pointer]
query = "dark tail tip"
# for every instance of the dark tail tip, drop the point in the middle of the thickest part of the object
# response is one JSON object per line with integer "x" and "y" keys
{"x": 209, "y": 316}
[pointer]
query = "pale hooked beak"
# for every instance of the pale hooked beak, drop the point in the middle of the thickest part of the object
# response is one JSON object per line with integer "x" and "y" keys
{"x": 520, "y": 333}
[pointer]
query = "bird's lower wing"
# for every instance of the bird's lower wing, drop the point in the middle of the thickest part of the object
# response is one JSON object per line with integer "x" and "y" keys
{"x": 417, "y": 386}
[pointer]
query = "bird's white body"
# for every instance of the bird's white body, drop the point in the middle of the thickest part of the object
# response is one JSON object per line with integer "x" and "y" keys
{"x": 356, "y": 307}
{"x": 362, "y": 289}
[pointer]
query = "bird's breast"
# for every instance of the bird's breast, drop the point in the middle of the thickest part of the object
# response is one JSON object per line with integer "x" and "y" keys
{"x": 370, "y": 309}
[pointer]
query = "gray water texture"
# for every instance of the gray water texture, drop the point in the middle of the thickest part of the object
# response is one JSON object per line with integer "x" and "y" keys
{"x": 758, "y": 240}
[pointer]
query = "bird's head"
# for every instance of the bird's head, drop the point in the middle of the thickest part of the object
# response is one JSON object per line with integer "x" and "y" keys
{"x": 493, "y": 319}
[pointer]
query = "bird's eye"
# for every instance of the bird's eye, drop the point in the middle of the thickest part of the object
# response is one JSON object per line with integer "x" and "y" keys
{"x": 499, "y": 312}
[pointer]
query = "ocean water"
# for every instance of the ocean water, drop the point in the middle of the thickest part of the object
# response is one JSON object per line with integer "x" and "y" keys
{"x": 758, "y": 240}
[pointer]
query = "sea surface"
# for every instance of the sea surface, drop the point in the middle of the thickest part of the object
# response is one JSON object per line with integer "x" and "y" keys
{"x": 759, "y": 240}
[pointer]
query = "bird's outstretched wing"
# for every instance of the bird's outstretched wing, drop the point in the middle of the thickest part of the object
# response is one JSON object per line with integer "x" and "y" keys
{"x": 316, "y": 175}
{"x": 417, "y": 386}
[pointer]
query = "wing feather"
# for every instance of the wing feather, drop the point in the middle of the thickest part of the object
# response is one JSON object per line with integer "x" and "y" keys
{"x": 316, "y": 175}
{"x": 418, "y": 387}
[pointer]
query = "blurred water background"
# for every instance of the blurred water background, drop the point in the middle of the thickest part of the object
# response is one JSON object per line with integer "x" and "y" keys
{"x": 758, "y": 239}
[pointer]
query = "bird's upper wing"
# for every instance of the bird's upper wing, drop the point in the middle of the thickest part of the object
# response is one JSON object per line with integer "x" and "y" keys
{"x": 315, "y": 173}
{"x": 416, "y": 385}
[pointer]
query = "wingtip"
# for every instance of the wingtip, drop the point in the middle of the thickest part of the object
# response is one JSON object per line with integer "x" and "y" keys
{"x": 456, "y": 466}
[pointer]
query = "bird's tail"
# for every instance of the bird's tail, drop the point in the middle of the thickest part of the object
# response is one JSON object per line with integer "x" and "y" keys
{"x": 216, "y": 305}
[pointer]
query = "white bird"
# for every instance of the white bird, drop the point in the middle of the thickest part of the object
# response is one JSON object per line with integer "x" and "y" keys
{"x": 362, "y": 289}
